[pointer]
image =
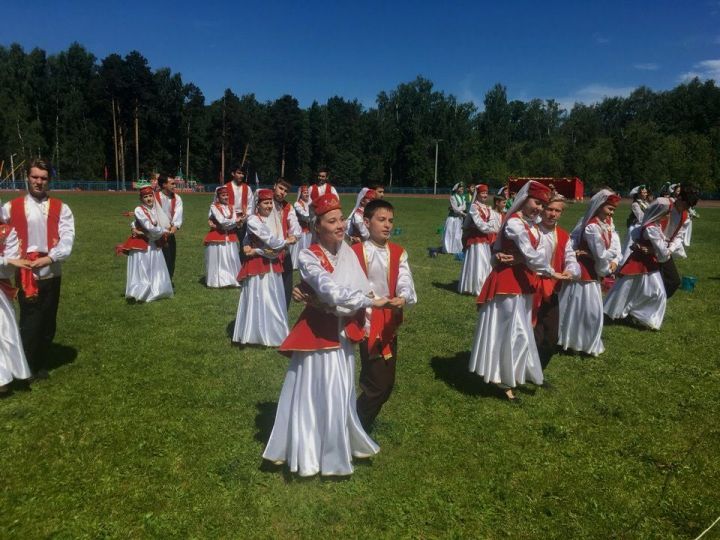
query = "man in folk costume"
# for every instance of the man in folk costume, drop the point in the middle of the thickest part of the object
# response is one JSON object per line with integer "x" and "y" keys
{"x": 147, "y": 275}
{"x": 676, "y": 227}
{"x": 240, "y": 196}
{"x": 322, "y": 186}
{"x": 222, "y": 260}
{"x": 479, "y": 230}
{"x": 386, "y": 266}
{"x": 13, "y": 364}
{"x": 284, "y": 224}
{"x": 598, "y": 252}
{"x": 452, "y": 237}
{"x": 355, "y": 228}
{"x": 171, "y": 203}
{"x": 262, "y": 314}
{"x": 504, "y": 352}
{"x": 317, "y": 429}
{"x": 46, "y": 230}
{"x": 639, "y": 291}
{"x": 302, "y": 212}
{"x": 558, "y": 251}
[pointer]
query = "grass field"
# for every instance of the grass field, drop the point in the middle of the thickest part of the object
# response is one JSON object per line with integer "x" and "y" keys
{"x": 152, "y": 424}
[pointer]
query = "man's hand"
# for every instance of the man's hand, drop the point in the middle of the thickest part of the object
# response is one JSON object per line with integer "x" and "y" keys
{"x": 560, "y": 277}
{"x": 505, "y": 258}
{"x": 397, "y": 302}
{"x": 380, "y": 301}
{"x": 173, "y": 229}
{"x": 41, "y": 262}
{"x": 19, "y": 263}
{"x": 299, "y": 295}
{"x": 248, "y": 251}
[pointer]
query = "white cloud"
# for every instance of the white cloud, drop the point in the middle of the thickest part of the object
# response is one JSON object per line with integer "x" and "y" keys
{"x": 593, "y": 93}
{"x": 600, "y": 39}
{"x": 707, "y": 69}
{"x": 648, "y": 66}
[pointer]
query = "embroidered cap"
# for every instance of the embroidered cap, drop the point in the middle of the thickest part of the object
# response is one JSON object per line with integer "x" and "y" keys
{"x": 147, "y": 190}
{"x": 326, "y": 203}
{"x": 613, "y": 199}
{"x": 482, "y": 187}
{"x": 264, "y": 194}
{"x": 539, "y": 191}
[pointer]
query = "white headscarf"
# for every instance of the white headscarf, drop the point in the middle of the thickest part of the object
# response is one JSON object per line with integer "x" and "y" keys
{"x": 597, "y": 201}
{"x": 658, "y": 209}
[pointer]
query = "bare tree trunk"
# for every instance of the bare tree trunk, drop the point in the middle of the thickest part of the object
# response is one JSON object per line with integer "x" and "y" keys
{"x": 115, "y": 144}
{"x": 137, "y": 143}
{"x": 121, "y": 147}
{"x": 222, "y": 155}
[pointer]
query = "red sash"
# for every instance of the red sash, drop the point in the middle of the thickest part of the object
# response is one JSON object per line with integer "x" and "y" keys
{"x": 244, "y": 196}
{"x": 548, "y": 286}
{"x": 286, "y": 207}
{"x": 317, "y": 330}
{"x": 18, "y": 220}
{"x": 384, "y": 322}
{"x": 172, "y": 203}
{"x": 510, "y": 279}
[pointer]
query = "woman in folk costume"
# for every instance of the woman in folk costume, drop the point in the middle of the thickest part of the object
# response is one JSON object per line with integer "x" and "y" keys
{"x": 13, "y": 364}
{"x": 504, "y": 350}
{"x": 222, "y": 258}
{"x": 598, "y": 252}
{"x": 558, "y": 251}
{"x": 147, "y": 274}
{"x": 452, "y": 239}
{"x": 639, "y": 291}
{"x": 355, "y": 227}
{"x": 302, "y": 211}
{"x": 637, "y": 209}
{"x": 317, "y": 429}
{"x": 479, "y": 231}
{"x": 261, "y": 314}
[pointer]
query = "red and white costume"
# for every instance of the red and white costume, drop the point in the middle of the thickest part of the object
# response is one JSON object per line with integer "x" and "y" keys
{"x": 316, "y": 428}
{"x": 504, "y": 350}
{"x": 452, "y": 237}
{"x": 318, "y": 190}
{"x": 355, "y": 224}
{"x": 13, "y": 364}
{"x": 581, "y": 303}
{"x": 240, "y": 197}
{"x": 222, "y": 259}
{"x": 173, "y": 208}
{"x": 147, "y": 274}
{"x": 262, "y": 314}
{"x": 480, "y": 229}
{"x": 639, "y": 291}
{"x": 302, "y": 212}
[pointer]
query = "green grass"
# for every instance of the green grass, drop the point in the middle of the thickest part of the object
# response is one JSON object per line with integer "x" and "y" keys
{"x": 152, "y": 424}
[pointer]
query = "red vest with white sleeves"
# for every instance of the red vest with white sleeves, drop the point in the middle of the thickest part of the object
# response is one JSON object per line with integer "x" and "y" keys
{"x": 244, "y": 194}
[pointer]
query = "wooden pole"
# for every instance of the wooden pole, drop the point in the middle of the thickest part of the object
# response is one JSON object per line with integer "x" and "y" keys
{"x": 137, "y": 143}
{"x": 222, "y": 154}
{"x": 282, "y": 163}
{"x": 245, "y": 154}
{"x": 187, "y": 154}
{"x": 121, "y": 147}
{"x": 115, "y": 146}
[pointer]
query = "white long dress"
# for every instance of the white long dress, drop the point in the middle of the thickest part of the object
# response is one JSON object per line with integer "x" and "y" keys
{"x": 302, "y": 211}
{"x": 317, "y": 429}
{"x": 13, "y": 364}
{"x": 147, "y": 274}
{"x": 262, "y": 315}
{"x": 504, "y": 349}
{"x": 642, "y": 296}
{"x": 581, "y": 303}
{"x": 222, "y": 260}
{"x": 452, "y": 238}
{"x": 477, "y": 263}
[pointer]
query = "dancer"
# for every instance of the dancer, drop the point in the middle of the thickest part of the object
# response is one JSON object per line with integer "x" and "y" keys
{"x": 262, "y": 315}
{"x": 222, "y": 259}
{"x": 480, "y": 227}
{"x": 355, "y": 228}
{"x": 170, "y": 202}
{"x": 302, "y": 212}
{"x": 598, "y": 252}
{"x": 46, "y": 231}
{"x": 386, "y": 266}
{"x": 284, "y": 224}
{"x": 504, "y": 351}
{"x": 676, "y": 226}
{"x": 557, "y": 249}
{"x": 452, "y": 239}
{"x": 240, "y": 195}
{"x": 637, "y": 209}
{"x": 322, "y": 186}
{"x": 13, "y": 364}
{"x": 147, "y": 274}
{"x": 639, "y": 292}
{"x": 316, "y": 428}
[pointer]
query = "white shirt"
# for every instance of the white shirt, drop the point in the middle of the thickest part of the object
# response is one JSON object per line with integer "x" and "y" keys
{"x": 224, "y": 218}
{"x": 676, "y": 246}
{"x": 534, "y": 259}
{"x": 272, "y": 243}
{"x": 548, "y": 244}
{"x": 377, "y": 259}
{"x": 274, "y": 221}
{"x": 11, "y": 250}
{"x": 176, "y": 218}
{"x": 237, "y": 201}
{"x": 36, "y": 213}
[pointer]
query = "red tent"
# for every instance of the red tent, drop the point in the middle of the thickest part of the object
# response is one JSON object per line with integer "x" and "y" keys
{"x": 570, "y": 188}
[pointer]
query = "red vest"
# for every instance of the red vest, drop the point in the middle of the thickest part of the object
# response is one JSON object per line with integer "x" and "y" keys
{"x": 245, "y": 190}
{"x": 258, "y": 265}
{"x": 18, "y": 220}
{"x": 216, "y": 236}
{"x": 173, "y": 201}
{"x": 473, "y": 235}
{"x": 384, "y": 322}
{"x": 587, "y": 261}
{"x": 548, "y": 286}
{"x": 315, "y": 190}
{"x": 303, "y": 224}
{"x": 317, "y": 330}
{"x": 284, "y": 213}
{"x": 5, "y": 285}
{"x": 639, "y": 262}
{"x": 514, "y": 279}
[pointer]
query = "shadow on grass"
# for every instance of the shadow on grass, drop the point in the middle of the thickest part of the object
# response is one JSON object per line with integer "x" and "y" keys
{"x": 452, "y": 286}
{"x": 59, "y": 355}
{"x": 201, "y": 281}
{"x": 230, "y": 329}
{"x": 264, "y": 420}
{"x": 454, "y": 372}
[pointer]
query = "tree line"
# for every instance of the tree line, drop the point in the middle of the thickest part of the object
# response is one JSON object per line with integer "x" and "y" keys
{"x": 118, "y": 118}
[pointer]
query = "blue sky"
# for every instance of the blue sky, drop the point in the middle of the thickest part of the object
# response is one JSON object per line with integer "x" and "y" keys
{"x": 570, "y": 51}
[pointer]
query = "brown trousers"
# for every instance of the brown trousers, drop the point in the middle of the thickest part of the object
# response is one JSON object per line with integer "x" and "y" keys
{"x": 377, "y": 378}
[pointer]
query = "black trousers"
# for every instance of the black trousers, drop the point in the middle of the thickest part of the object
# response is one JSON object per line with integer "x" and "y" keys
{"x": 287, "y": 278}
{"x": 546, "y": 329}
{"x": 169, "y": 251}
{"x": 377, "y": 379}
{"x": 670, "y": 277}
{"x": 38, "y": 322}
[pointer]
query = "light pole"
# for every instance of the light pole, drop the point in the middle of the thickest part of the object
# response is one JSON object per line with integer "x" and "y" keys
{"x": 12, "y": 168}
{"x": 436, "y": 160}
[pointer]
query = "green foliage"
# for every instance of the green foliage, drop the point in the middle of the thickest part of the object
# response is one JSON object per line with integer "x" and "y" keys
{"x": 61, "y": 106}
{"x": 152, "y": 424}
